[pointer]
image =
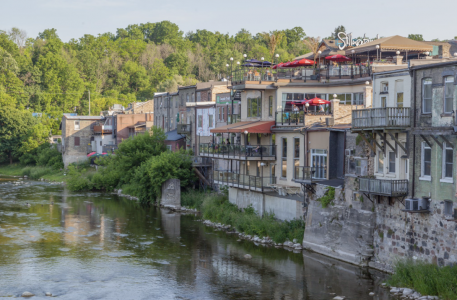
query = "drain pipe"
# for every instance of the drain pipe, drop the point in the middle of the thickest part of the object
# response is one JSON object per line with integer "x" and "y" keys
{"x": 414, "y": 137}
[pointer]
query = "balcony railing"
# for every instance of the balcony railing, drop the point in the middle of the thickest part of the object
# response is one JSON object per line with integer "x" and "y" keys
{"x": 254, "y": 183}
{"x": 184, "y": 128}
{"x": 392, "y": 188}
{"x": 201, "y": 161}
{"x": 381, "y": 117}
{"x": 109, "y": 148}
{"x": 309, "y": 174}
{"x": 345, "y": 71}
{"x": 103, "y": 128}
{"x": 247, "y": 152}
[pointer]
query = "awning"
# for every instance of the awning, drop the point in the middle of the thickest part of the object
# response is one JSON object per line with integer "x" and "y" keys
{"x": 392, "y": 43}
{"x": 255, "y": 127}
{"x": 224, "y": 129}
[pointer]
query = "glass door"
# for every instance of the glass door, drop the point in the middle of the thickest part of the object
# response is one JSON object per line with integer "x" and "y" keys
{"x": 319, "y": 162}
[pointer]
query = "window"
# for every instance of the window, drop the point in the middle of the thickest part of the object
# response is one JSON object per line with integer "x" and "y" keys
{"x": 270, "y": 106}
{"x": 254, "y": 107}
{"x": 448, "y": 211}
{"x": 182, "y": 100}
{"x": 400, "y": 99}
{"x": 100, "y": 143}
{"x": 76, "y": 125}
{"x": 187, "y": 97}
{"x": 200, "y": 121}
{"x": 384, "y": 87}
{"x": 426, "y": 160}
{"x": 296, "y": 153}
{"x": 383, "y": 102}
{"x": 319, "y": 162}
{"x": 76, "y": 140}
{"x": 223, "y": 114}
{"x": 193, "y": 98}
{"x": 344, "y": 98}
{"x": 284, "y": 158}
{"x": 391, "y": 162}
{"x": 448, "y": 94}
{"x": 358, "y": 99}
{"x": 199, "y": 97}
{"x": 447, "y": 161}
{"x": 380, "y": 162}
{"x": 169, "y": 147}
{"x": 211, "y": 120}
{"x": 427, "y": 96}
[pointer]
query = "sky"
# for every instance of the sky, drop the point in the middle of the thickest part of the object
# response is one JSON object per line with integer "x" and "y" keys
{"x": 74, "y": 18}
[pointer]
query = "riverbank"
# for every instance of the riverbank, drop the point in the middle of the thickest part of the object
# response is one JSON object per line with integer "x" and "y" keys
{"x": 38, "y": 172}
{"x": 218, "y": 212}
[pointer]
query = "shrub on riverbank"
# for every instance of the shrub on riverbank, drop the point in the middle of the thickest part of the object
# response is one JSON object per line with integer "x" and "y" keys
{"x": 217, "y": 208}
{"x": 427, "y": 279}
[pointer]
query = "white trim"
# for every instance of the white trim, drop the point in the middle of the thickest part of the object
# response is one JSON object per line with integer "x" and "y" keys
{"x": 447, "y": 180}
{"x": 443, "y": 164}
{"x": 425, "y": 178}
{"x": 423, "y": 145}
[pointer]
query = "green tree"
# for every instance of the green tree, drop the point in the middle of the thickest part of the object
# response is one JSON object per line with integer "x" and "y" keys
{"x": 334, "y": 34}
{"x": 416, "y": 37}
{"x": 14, "y": 126}
{"x": 177, "y": 63}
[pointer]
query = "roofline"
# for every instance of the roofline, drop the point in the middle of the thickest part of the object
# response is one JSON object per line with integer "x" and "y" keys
{"x": 391, "y": 71}
{"x": 436, "y": 65}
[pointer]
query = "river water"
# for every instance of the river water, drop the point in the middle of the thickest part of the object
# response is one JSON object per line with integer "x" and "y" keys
{"x": 101, "y": 246}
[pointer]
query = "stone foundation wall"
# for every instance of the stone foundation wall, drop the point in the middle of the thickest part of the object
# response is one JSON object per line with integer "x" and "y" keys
{"x": 423, "y": 236}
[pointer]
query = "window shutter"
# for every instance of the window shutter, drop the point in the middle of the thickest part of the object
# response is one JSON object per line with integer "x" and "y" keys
{"x": 76, "y": 140}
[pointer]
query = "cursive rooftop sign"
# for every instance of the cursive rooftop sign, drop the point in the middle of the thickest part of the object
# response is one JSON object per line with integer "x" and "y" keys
{"x": 345, "y": 40}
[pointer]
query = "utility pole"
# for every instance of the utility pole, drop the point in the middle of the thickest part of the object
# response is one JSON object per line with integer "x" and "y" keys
{"x": 89, "y": 101}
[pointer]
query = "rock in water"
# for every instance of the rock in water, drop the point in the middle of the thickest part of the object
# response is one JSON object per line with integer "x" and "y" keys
{"x": 48, "y": 294}
{"x": 371, "y": 294}
{"x": 27, "y": 294}
{"x": 247, "y": 256}
{"x": 339, "y": 298}
{"x": 407, "y": 292}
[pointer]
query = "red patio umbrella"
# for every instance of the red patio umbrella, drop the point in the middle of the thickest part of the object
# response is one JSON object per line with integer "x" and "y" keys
{"x": 287, "y": 64}
{"x": 315, "y": 102}
{"x": 338, "y": 58}
{"x": 302, "y": 62}
{"x": 90, "y": 154}
{"x": 278, "y": 66}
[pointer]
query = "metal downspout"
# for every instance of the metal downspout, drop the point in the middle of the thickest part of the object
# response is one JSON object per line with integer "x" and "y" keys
{"x": 414, "y": 137}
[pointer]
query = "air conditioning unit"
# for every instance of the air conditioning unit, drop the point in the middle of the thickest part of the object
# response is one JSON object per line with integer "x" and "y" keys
{"x": 412, "y": 204}
{"x": 329, "y": 121}
{"x": 424, "y": 203}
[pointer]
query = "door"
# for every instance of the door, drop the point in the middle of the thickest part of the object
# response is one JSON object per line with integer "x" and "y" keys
{"x": 319, "y": 162}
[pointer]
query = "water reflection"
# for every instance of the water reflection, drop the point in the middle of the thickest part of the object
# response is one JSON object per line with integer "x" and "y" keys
{"x": 93, "y": 245}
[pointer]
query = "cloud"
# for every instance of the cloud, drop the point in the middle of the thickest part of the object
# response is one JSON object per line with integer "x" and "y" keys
{"x": 86, "y": 4}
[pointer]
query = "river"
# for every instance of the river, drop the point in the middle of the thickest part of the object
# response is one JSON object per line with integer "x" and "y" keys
{"x": 101, "y": 246}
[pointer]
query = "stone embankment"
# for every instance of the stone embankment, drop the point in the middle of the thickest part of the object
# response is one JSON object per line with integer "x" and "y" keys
{"x": 406, "y": 293}
{"x": 266, "y": 241}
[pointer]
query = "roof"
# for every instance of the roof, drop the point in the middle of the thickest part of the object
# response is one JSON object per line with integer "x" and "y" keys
{"x": 392, "y": 43}
{"x": 327, "y": 46}
{"x": 186, "y": 87}
{"x": 84, "y": 117}
{"x": 174, "y": 136}
{"x": 137, "y": 125}
{"x": 249, "y": 126}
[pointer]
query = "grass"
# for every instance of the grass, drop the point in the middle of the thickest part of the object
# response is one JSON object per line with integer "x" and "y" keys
{"x": 11, "y": 170}
{"x": 427, "y": 279}
{"x": 33, "y": 172}
{"x": 217, "y": 208}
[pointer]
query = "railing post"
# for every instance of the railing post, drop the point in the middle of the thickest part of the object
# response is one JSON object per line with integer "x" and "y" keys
{"x": 352, "y": 71}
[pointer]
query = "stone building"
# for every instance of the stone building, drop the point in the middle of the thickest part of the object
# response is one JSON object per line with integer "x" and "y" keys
{"x": 77, "y": 134}
{"x": 140, "y": 107}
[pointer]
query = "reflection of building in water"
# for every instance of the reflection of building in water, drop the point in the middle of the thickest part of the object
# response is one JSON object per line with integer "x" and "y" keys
{"x": 171, "y": 224}
{"x": 83, "y": 220}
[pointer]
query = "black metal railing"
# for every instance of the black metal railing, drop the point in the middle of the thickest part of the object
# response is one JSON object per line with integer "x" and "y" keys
{"x": 237, "y": 151}
{"x": 109, "y": 148}
{"x": 284, "y": 117}
{"x": 201, "y": 161}
{"x": 256, "y": 183}
{"x": 349, "y": 71}
{"x": 308, "y": 174}
{"x": 184, "y": 128}
{"x": 393, "y": 188}
{"x": 381, "y": 117}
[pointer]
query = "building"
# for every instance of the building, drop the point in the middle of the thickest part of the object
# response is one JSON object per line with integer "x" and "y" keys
{"x": 77, "y": 134}
{"x": 127, "y": 125}
{"x": 104, "y": 140}
{"x": 139, "y": 107}
{"x": 175, "y": 141}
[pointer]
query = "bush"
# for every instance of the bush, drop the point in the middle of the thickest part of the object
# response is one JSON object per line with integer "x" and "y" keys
{"x": 427, "y": 279}
{"x": 217, "y": 208}
{"x": 328, "y": 197}
{"x": 36, "y": 172}
{"x": 77, "y": 181}
{"x": 45, "y": 155}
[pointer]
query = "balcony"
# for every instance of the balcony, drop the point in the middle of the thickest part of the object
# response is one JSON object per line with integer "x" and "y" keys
{"x": 309, "y": 174}
{"x": 199, "y": 161}
{"x": 349, "y": 71}
{"x": 391, "y": 188}
{"x": 249, "y": 182}
{"x": 103, "y": 129}
{"x": 109, "y": 148}
{"x": 184, "y": 128}
{"x": 386, "y": 117}
{"x": 241, "y": 152}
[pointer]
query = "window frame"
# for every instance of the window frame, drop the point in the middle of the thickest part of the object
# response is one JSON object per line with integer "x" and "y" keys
{"x": 270, "y": 106}
{"x": 445, "y": 178}
{"x": 380, "y": 152}
{"x": 427, "y": 82}
{"x": 394, "y": 162}
{"x": 284, "y": 157}
{"x": 78, "y": 125}
{"x": 77, "y": 138}
{"x": 451, "y": 83}
{"x": 423, "y": 176}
